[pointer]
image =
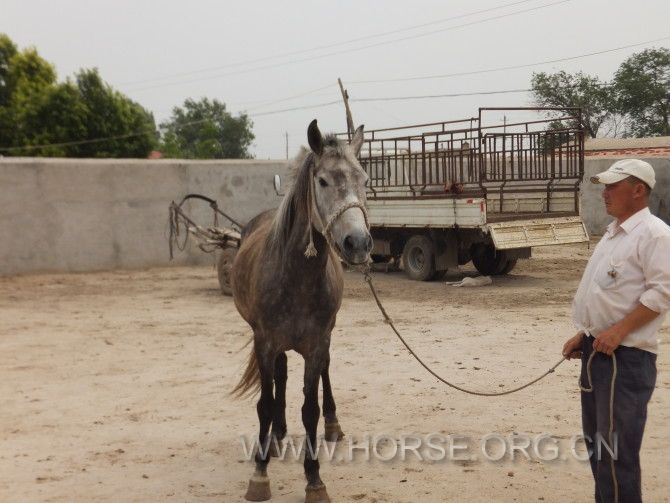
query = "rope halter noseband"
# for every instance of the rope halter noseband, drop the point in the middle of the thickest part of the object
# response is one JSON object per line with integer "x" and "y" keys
{"x": 310, "y": 251}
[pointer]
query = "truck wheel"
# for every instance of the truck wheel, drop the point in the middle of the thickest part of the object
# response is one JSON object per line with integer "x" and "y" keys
{"x": 418, "y": 257}
{"x": 487, "y": 261}
{"x": 509, "y": 266}
{"x": 224, "y": 268}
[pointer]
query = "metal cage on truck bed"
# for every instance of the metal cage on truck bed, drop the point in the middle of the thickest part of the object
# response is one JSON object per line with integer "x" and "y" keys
{"x": 486, "y": 189}
{"x": 520, "y": 168}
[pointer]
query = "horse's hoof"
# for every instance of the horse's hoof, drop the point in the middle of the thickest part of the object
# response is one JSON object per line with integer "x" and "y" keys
{"x": 333, "y": 432}
{"x": 259, "y": 489}
{"x": 316, "y": 494}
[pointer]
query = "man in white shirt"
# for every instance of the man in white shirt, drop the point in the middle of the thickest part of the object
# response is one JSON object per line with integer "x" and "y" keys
{"x": 620, "y": 303}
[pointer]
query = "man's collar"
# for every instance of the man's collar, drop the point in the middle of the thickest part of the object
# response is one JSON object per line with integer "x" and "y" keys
{"x": 629, "y": 224}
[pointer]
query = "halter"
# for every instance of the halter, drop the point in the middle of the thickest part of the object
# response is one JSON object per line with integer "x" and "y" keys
{"x": 310, "y": 251}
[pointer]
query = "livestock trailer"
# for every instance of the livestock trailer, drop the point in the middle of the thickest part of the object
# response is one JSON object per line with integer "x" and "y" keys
{"x": 485, "y": 188}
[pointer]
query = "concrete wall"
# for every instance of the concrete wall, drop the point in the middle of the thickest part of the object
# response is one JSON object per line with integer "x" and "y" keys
{"x": 82, "y": 215}
{"x": 593, "y": 209}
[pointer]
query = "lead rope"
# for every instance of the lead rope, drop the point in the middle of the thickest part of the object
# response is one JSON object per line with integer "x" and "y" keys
{"x": 387, "y": 319}
{"x": 310, "y": 251}
{"x": 611, "y": 427}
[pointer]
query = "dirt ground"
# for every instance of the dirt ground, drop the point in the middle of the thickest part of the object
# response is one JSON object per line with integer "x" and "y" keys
{"x": 114, "y": 387}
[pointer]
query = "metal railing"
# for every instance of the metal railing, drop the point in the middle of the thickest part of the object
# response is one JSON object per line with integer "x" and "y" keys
{"x": 472, "y": 155}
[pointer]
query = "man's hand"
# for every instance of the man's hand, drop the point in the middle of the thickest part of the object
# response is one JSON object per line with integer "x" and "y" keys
{"x": 609, "y": 339}
{"x": 573, "y": 348}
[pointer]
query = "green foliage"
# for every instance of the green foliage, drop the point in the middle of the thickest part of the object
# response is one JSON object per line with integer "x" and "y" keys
{"x": 206, "y": 130}
{"x": 7, "y": 52}
{"x": 37, "y": 110}
{"x": 642, "y": 84}
{"x": 638, "y": 97}
{"x": 565, "y": 90}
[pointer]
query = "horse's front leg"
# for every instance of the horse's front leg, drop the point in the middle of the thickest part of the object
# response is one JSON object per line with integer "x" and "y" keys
{"x": 333, "y": 431}
{"x": 315, "y": 492}
{"x": 259, "y": 484}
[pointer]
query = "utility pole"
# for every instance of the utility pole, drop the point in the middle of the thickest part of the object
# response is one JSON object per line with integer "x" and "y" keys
{"x": 286, "y": 145}
{"x": 350, "y": 120}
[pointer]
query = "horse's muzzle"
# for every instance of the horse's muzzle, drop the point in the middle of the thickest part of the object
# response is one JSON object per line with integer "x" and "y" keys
{"x": 356, "y": 247}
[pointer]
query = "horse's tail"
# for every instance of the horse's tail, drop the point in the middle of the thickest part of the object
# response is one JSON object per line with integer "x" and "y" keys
{"x": 250, "y": 383}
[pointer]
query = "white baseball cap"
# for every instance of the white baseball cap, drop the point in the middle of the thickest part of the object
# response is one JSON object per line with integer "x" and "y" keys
{"x": 623, "y": 169}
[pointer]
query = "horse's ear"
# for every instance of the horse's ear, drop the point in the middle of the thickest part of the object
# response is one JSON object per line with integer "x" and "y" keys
{"x": 314, "y": 138}
{"x": 357, "y": 140}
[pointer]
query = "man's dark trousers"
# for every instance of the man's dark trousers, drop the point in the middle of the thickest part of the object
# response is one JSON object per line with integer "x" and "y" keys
{"x": 634, "y": 384}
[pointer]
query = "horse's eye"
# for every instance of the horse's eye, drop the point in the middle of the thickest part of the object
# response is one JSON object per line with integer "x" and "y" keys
{"x": 322, "y": 182}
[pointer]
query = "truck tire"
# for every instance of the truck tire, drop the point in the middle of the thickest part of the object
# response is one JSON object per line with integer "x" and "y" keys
{"x": 488, "y": 261}
{"x": 509, "y": 266}
{"x": 418, "y": 257}
{"x": 224, "y": 268}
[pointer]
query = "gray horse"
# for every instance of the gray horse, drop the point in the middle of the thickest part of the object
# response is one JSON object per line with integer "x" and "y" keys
{"x": 287, "y": 284}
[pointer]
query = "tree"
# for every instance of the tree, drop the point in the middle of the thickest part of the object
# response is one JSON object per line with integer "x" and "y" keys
{"x": 24, "y": 79}
{"x": 7, "y": 52}
{"x": 108, "y": 113}
{"x": 37, "y": 110}
{"x": 642, "y": 83}
{"x": 206, "y": 130}
{"x": 566, "y": 90}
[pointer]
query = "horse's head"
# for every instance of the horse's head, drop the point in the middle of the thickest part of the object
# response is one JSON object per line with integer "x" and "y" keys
{"x": 338, "y": 186}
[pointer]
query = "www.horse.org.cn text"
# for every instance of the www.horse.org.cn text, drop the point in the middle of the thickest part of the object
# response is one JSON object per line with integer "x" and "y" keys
{"x": 436, "y": 447}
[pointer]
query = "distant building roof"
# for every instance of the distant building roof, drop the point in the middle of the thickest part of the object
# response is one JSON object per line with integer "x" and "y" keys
{"x": 653, "y": 146}
{"x": 155, "y": 154}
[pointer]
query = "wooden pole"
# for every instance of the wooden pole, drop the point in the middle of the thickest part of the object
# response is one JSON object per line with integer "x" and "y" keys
{"x": 350, "y": 120}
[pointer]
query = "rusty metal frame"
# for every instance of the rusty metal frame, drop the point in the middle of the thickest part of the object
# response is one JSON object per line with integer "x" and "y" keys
{"x": 475, "y": 156}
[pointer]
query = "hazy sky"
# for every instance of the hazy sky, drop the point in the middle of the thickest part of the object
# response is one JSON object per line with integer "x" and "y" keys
{"x": 254, "y": 56}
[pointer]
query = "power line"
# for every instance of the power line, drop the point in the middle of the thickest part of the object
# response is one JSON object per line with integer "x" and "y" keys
{"x": 452, "y": 95}
{"x": 512, "y": 67}
{"x": 267, "y": 103}
{"x": 306, "y": 107}
{"x": 78, "y": 142}
{"x": 473, "y": 72}
{"x": 328, "y": 46}
{"x": 355, "y": 49}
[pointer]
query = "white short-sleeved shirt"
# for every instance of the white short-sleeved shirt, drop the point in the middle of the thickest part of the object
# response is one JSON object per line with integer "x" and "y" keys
{"x": 629, "y": 266}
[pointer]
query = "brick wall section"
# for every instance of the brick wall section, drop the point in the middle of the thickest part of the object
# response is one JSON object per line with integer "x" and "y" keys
{"x": 630, "y": 152}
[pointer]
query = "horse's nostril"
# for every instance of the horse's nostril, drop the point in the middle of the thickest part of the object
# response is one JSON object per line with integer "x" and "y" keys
{"x": 357, "y": 242}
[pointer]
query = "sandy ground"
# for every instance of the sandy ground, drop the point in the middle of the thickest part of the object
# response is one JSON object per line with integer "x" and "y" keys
{"x": 114, "y": 387}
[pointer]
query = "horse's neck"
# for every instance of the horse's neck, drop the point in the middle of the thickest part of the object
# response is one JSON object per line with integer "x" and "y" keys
{"x": 294, "y": 254}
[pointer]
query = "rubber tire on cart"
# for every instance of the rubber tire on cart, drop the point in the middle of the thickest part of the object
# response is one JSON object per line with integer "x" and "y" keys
{"x": 418, "y": 258}
{"x": 491, "y": 262}
{"x": 224, "y": 268}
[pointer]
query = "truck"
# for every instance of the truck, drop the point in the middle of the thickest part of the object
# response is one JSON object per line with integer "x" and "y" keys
{"x": 485, "y": 189}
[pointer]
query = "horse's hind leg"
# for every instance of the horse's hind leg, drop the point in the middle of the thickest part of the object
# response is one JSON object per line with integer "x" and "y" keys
{"x": 333, "y": 431}
{"x": 259, "y": 485}
{"x": 315, "y": 491}
{"x": 279, "y": 414}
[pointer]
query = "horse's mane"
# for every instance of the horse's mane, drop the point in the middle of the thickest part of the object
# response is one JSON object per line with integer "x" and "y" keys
{"x": 295, "y": 205}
